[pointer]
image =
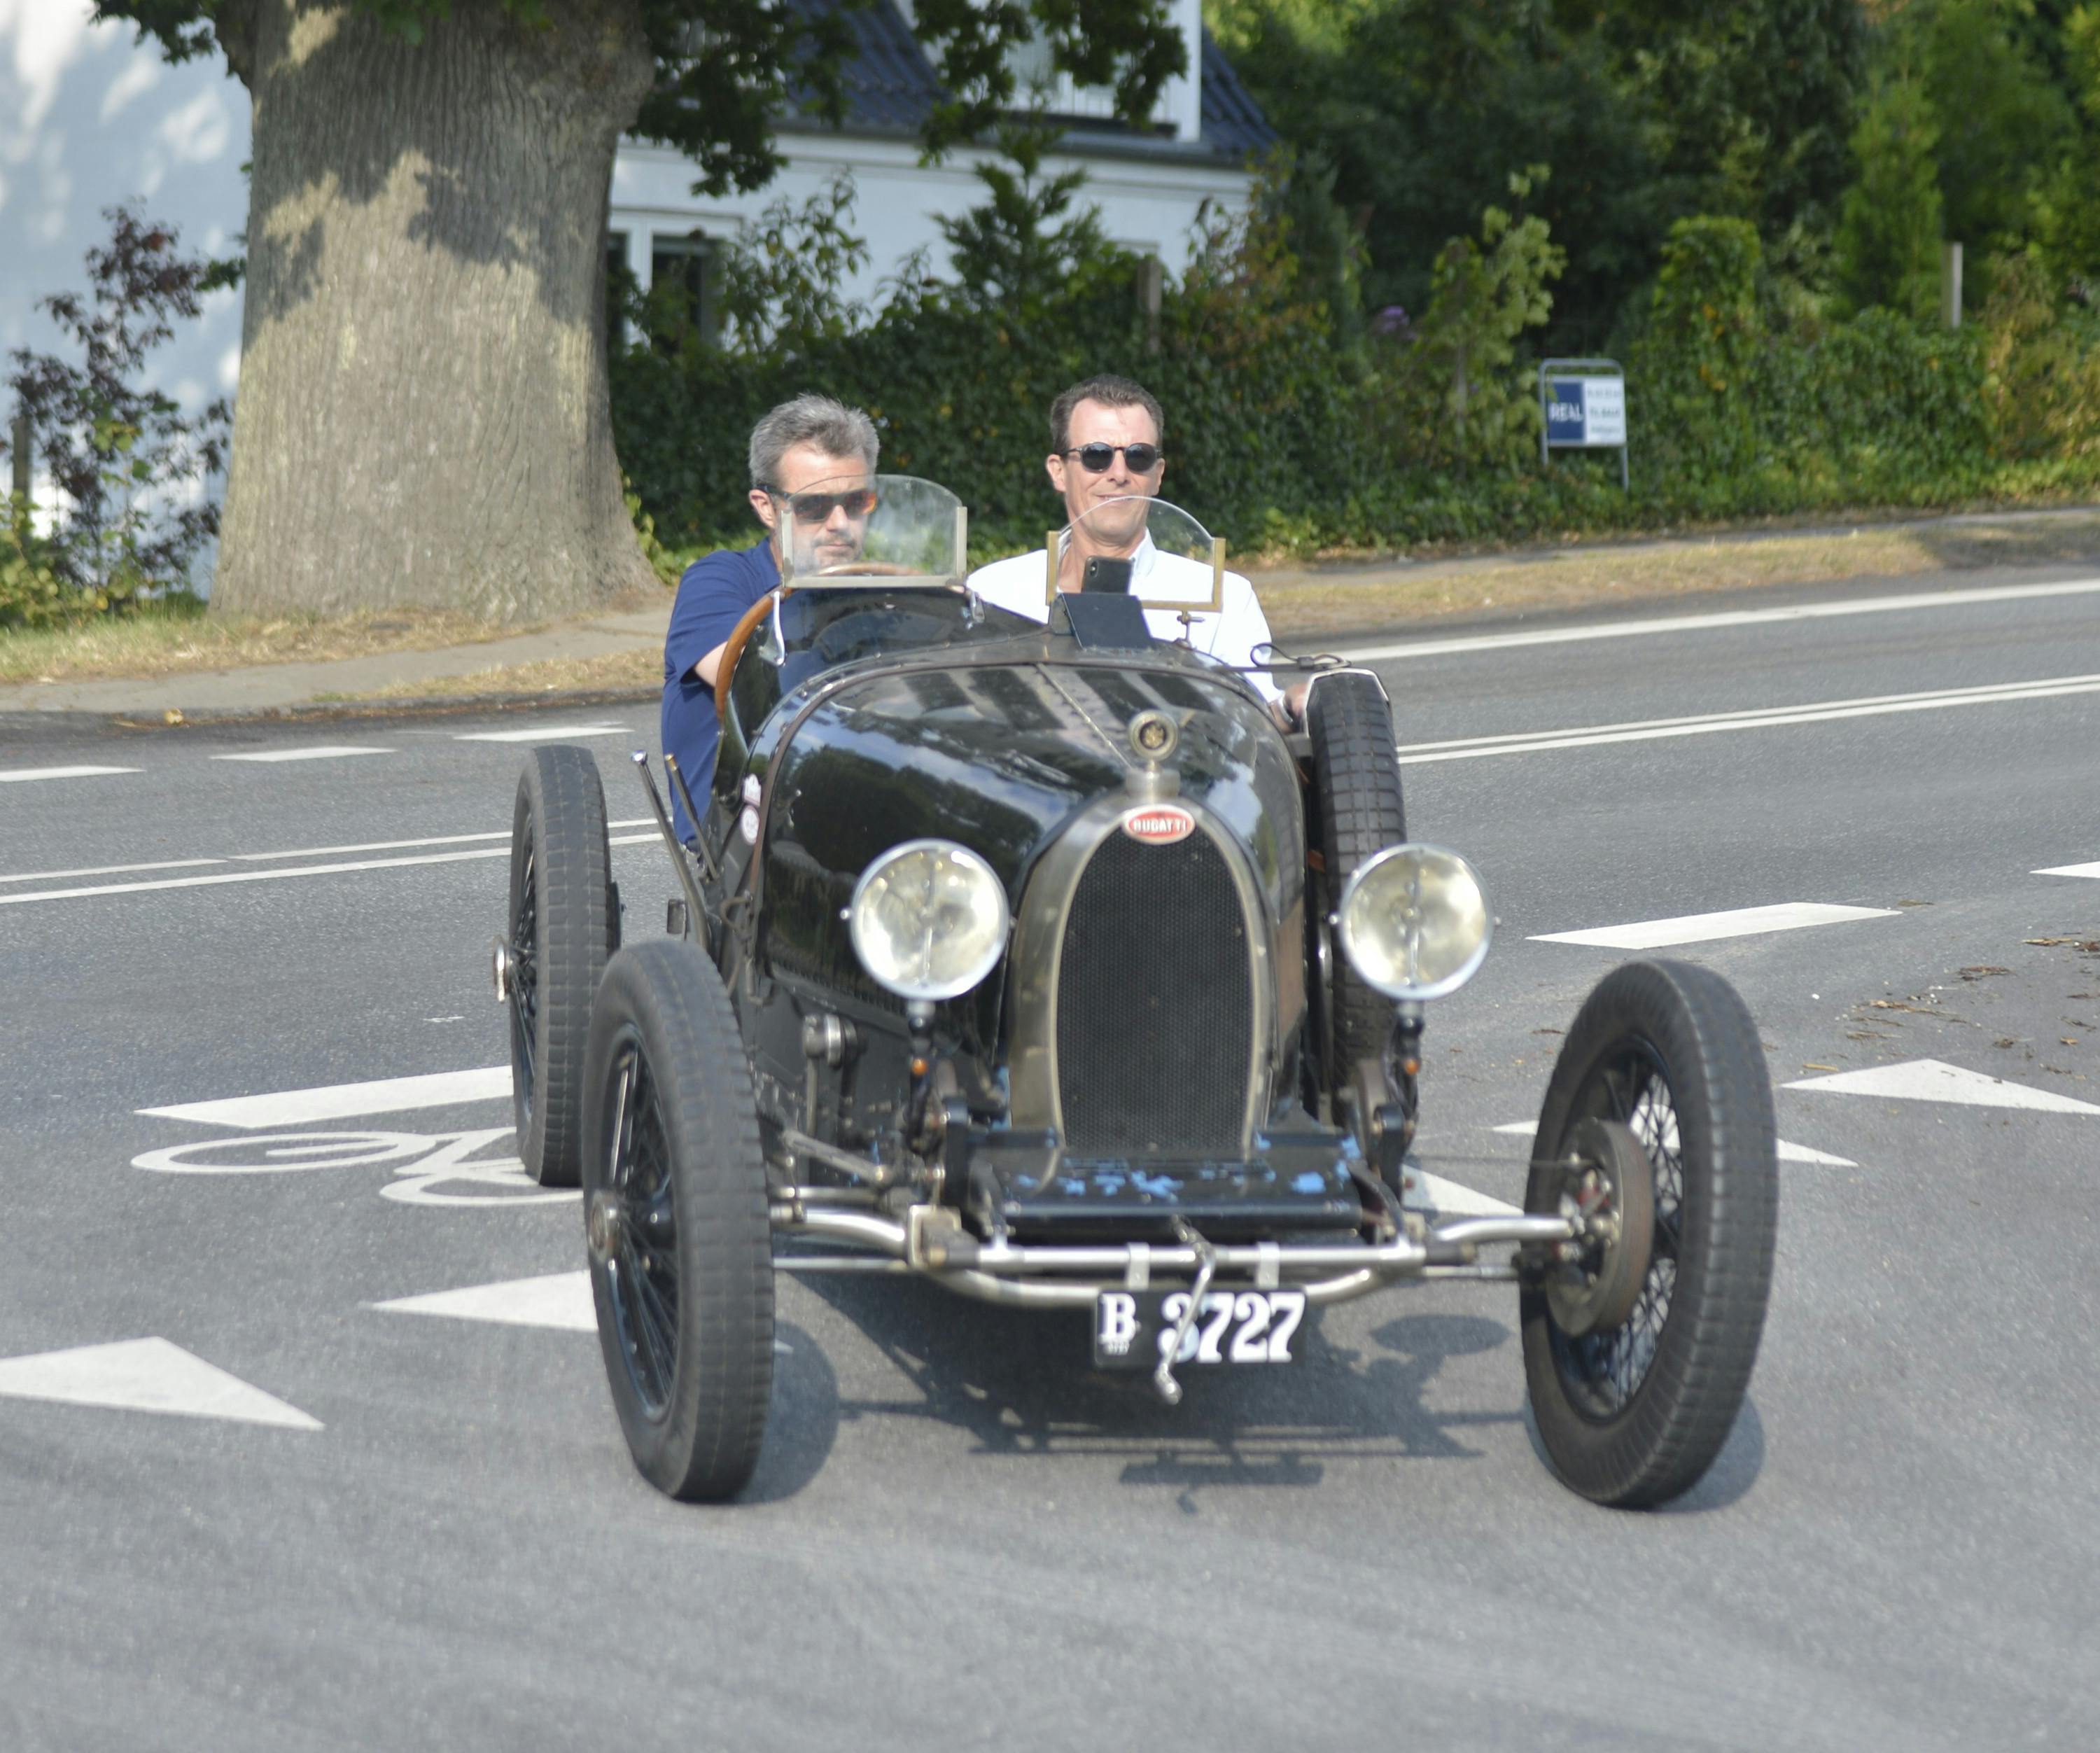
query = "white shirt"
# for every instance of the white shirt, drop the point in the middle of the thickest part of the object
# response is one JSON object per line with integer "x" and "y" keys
{"x": 1231, "y": 636}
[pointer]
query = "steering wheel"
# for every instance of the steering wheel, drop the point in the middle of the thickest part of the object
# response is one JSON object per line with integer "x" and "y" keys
{"x": 733, "y": 648}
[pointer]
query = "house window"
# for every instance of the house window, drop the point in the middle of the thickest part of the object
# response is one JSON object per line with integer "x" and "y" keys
{"x": 683, "y": 273}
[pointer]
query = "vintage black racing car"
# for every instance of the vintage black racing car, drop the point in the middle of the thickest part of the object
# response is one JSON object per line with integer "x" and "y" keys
{"x": 1042, "y": 960}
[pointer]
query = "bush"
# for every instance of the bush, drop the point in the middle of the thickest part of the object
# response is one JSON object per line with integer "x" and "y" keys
{"x": 1282, "y": 434}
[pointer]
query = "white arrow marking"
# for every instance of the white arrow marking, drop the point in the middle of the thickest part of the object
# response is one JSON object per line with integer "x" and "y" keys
{"x": 2068, "y": 870}
{"x": 562, "y": 1301}
{"x": 336, "y": 1101}
{"x": 1706, "y": 928}
{"x": 145, "y": 1375}
{"x": 1427, "y": 1192}
{"x": 1788, "y": 1153}
{"x": 1934, "y": 1080}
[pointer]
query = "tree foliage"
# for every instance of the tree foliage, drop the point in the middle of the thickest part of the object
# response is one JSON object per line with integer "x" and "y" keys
{"x": 1888, "y": 234}
{"x": 129, "y": 466}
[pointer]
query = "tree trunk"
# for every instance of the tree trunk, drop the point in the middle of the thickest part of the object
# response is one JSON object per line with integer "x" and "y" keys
{"x": 423, "y": 414}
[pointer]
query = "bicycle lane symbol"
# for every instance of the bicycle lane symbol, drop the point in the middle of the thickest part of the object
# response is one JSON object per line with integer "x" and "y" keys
{"x": 420, "y": 1164}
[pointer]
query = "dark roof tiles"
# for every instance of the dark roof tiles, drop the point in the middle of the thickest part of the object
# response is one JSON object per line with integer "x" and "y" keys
{"x": 889, "y": 88}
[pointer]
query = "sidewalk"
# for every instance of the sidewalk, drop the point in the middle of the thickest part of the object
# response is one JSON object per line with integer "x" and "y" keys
{"x": 264, "y": 688}
{"x": 1330, "y": 602}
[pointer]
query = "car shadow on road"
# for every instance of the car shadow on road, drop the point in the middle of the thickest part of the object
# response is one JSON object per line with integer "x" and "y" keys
{"x": 1021, "y": 1383}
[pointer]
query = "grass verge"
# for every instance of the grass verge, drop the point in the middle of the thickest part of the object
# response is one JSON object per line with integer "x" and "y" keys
{"x": 157, "y": 642}
{"x": 619, "y": 672}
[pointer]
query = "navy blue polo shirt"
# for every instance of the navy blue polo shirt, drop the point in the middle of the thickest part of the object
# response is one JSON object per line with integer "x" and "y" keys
{"x": 713, "y": 596}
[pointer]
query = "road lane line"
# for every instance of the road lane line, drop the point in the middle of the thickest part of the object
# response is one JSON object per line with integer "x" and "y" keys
{"x": 1708, "y": 928}
{"x": 320, "y": 752}
{"x": 110, "y": 870}
{"x": 373, "y": 845}
{"x": 22, "y": 776}
{"x": 1652, "y": 625}
{"x": 1649, "y": 729}
{"x": 545, "y": 733}
{"x": 206, "y": 882}
{"x": 340, "y": 1102}
{"x": 369, "y": 846}
{"x": 2068, "y": 870}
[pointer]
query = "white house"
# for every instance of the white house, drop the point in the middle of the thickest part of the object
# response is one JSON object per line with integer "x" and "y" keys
{"x": 1148, "y": 184}
{"x": 90, "y": 117}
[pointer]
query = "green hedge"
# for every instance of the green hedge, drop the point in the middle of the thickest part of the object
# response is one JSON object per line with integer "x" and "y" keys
{"x": 1284, "y": 439}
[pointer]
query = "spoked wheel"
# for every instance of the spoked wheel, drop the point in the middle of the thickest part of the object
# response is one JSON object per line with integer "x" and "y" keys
{"x": 563, "y": 921}
{"x": 680, "y": 1242}
{"x": 1358, "y": 809}
{"x": 1636, "y": 1388}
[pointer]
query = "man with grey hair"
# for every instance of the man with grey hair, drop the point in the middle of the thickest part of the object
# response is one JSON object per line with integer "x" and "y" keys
{"x": 815, "y": 457}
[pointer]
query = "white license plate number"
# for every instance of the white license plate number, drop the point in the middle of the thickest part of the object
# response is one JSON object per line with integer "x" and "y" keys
{"x": 1132, "y": 1329}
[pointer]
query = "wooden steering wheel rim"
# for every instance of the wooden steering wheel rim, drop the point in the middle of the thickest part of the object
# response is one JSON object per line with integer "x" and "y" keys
{"x": 733, "y": 648}
{"x": 870, "y": 569}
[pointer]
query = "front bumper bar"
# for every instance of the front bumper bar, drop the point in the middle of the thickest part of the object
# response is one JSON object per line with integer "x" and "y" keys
{"x": 931, "y": 1242}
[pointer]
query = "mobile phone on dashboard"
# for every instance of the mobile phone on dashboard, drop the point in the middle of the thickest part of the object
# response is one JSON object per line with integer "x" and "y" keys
{"x": 1102, "y": 573}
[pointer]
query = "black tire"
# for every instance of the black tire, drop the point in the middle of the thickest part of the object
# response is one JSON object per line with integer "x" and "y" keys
{"x": 1635, "y": 1416}
{"x": 680, "y": 1240}
{"x": 1357, "y": 810}
{"x": 562, "y": 924}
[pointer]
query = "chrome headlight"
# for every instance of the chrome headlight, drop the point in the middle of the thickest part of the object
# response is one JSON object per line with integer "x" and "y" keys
{"x": 928, "y": 919}
{"x": 1414, "y": 921}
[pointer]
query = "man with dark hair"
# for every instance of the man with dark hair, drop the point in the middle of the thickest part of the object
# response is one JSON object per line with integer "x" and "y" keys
{"x": 816, "y": 457}
{"x": 1105, "y": 444}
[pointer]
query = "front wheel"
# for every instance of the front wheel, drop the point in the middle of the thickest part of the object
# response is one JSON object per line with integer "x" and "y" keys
{"x": 1633, "y": 1409}
{"x": 681, "y": 1242}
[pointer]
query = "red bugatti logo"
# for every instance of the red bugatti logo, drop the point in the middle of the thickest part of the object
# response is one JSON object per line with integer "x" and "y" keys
{"x": 1159, "y": 824}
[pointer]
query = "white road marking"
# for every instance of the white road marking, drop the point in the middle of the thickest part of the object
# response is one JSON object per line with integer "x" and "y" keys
{"x": 1650, "y": 730}
{"x": 1647, "y": 628}
{"x": 543, "y": 733}
{"x": 1706, "y": 928}
{"x": 110, "y": 870}
{"x": 206, "y": 882}
{"x": 146, "y": 1375}
{"x": 1934, "y": 1080}
{"x": 16, "y": 775}
{"x": 373, "y": 845}
{"x": 1788, "y": 1153}
{"x": 562, "y": 1301}
{"x": 2068, "y": 870}
{"x": 370, "y": 845}
{"x": 1427, "y": 1192}
{"x": 319, "y": 752}
{"x": 338, "y": 1102}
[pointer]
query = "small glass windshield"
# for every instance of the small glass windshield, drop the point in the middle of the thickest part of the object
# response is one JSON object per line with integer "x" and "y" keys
{"x": 1153, "y": 550}
{"x": 881, "y": 529}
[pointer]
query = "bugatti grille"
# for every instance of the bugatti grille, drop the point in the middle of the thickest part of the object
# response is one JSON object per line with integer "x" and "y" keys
{"x": 1155, "y": 1004}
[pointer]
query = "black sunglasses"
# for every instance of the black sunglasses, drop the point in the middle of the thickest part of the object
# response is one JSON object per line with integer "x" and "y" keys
{"x": 1096, "y": 458}
{"x": 817, "y": 508}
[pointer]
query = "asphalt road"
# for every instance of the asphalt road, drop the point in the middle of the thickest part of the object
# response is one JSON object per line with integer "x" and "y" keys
{"x": 388, "y": 1528}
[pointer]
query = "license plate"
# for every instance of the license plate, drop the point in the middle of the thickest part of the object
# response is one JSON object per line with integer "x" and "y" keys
{"x": 1133, "y": 1328}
